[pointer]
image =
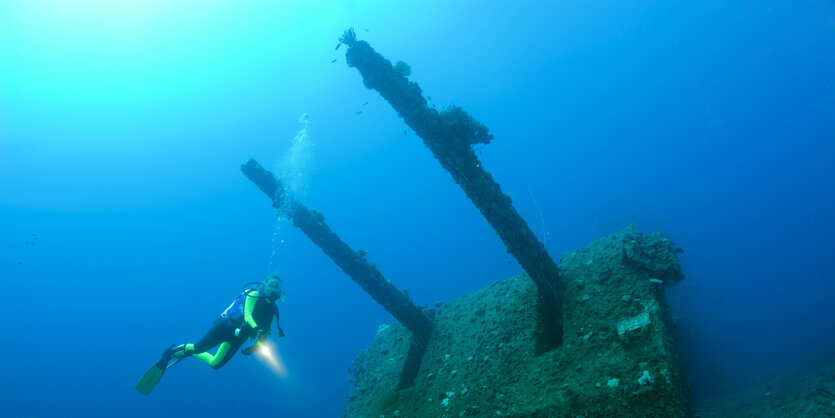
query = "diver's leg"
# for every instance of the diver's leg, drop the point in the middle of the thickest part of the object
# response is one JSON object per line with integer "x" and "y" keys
{"x": 224, "y": 353}
{"x": 214, "y": 336}
{"x": 217, "y": 360}
{"x": 234, "y": 346}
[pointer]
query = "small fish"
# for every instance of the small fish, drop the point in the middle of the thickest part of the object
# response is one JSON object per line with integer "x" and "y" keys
{"x": 337, "y": 46}
{"x": 428, "y": 97}
{"x": 365, "y": 103}
{"x": 405, "y": 132}
{"x": 334, "y": 60}
{"x": 365, "y": 30}
{"x": 359, "y": 112}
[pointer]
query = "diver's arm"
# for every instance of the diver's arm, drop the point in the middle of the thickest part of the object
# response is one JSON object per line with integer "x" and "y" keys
{"x": 277, "y": 323}
{"x": 249, "y": 306}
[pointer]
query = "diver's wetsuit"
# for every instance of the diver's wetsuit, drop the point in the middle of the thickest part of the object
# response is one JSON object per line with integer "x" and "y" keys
{"x": 258, "y": 314}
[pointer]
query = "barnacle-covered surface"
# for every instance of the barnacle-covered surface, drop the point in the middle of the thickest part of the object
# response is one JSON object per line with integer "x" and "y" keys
{"x": 465, "y": 127}
{"x": 655, "y": 254}
{"x": 482, "y": 359}
{"x": 404, "y": 69}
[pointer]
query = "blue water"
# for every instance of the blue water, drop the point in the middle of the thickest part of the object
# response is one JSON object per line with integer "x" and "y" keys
{"x": 126, "y": 225}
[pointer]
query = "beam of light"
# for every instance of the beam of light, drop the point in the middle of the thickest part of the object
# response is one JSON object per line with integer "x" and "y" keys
{"x": 269, "y": 355}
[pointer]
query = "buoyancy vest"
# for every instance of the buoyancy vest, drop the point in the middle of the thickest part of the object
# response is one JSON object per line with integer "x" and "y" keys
{"x": 262, "y": 312}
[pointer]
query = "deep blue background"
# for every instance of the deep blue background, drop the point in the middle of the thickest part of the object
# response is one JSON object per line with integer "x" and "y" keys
{"x": 120, "y": 154}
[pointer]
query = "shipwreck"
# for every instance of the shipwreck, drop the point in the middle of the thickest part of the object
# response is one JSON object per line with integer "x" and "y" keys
{"x": 591, "y": 337}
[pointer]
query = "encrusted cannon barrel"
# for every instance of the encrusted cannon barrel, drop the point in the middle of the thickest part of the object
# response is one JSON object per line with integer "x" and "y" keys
{"x": 450, "y": 135}
{"x": 352, "y": 262}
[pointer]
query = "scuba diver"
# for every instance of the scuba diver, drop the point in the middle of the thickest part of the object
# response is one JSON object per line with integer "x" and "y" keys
{"x": 249, "y": 316}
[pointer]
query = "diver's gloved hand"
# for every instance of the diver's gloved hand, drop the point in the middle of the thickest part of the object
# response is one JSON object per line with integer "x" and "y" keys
{"x": 280, "y": 333}
{"x": 237, "y": 332}
{"x": 263, "y": 334}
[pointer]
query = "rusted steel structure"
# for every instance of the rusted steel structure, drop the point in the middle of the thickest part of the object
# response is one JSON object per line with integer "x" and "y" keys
{"x": 450, "y": 135}
{"x": 352, "y": 262}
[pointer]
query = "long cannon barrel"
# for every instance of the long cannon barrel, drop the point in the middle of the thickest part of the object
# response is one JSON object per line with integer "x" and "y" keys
{"x": 353, "y": 263}
{"x": 450, "y": 135}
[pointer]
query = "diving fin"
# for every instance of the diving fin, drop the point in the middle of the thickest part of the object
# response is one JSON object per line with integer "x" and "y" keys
{"x": 176, "y": 360}
{"x": 150, "y": 379}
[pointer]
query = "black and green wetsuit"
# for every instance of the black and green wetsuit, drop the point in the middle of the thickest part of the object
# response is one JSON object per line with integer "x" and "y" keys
{"x": 258, "y": 313}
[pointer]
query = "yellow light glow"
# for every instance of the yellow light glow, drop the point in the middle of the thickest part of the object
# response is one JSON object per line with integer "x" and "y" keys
{"x": 270, "y": 356}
